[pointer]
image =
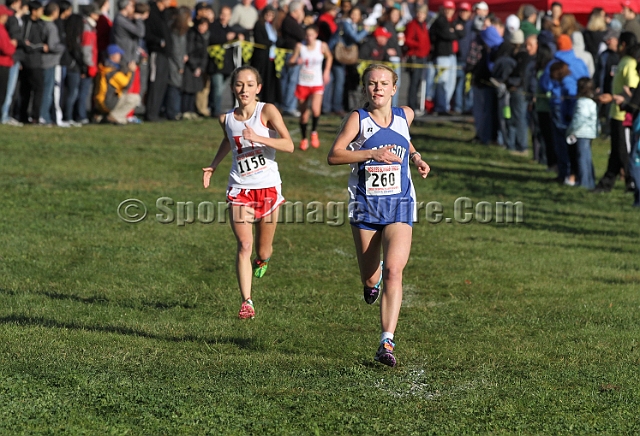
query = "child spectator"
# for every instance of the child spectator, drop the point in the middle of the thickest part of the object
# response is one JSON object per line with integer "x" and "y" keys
{"x": 584, "y": 128}
{"x": 111, "y": 97}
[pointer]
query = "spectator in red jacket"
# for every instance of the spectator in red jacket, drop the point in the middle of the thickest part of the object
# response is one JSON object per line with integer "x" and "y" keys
{"x": 7, "y": 49}
{"x": 326, "y": 23}
{"x": 418, "y": 46}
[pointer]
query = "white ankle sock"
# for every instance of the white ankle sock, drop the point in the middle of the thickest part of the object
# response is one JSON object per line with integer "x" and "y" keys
{"x": 386, "y": 335}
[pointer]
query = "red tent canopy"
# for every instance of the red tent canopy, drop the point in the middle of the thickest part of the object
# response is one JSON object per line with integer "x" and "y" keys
{"x": 580, "y": 8}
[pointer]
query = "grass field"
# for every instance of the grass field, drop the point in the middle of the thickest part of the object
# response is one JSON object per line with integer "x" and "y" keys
{"x": 115, "y": 328}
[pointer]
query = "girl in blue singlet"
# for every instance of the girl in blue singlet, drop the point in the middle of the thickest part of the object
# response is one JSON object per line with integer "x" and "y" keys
{"x": 375, "y": 141}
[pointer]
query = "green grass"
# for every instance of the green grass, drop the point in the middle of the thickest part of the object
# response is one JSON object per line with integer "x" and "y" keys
{"x": 115, "y": 328}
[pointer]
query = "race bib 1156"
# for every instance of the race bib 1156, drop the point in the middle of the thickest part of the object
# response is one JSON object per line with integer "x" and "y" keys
{"x": 251, "y": 163}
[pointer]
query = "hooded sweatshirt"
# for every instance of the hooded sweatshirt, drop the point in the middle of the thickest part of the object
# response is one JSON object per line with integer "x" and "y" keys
{"x": 581, "y": 53}
{"x": 561, "y": 92}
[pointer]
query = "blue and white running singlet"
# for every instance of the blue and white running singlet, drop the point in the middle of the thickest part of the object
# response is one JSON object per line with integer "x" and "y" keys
{"x": 379, "y": 193}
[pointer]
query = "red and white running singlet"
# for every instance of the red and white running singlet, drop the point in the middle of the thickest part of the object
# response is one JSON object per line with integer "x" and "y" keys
{"x": 253, "y": 165}
{"x": 311, "y": 69}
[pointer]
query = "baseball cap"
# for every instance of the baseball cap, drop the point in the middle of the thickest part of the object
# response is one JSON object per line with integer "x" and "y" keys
{"x": 6, "y": 11}
{"x": 381, "y": 31}
{"x": 482, "y": 5}
{"x": 464, "y": 6}
{"x": 113, "y": 49}
{"x": 449, "y": 4}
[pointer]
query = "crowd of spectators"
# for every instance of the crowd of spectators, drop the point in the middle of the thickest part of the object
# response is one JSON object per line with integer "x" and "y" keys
{"x": 537, "y": 75}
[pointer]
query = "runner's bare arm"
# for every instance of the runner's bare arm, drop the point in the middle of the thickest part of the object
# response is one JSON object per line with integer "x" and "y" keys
{"x": 339, "y": 155}
{"x": 328, "y": 62}
{"x": 223, "y": 150}
{"x": 271, "y": 118}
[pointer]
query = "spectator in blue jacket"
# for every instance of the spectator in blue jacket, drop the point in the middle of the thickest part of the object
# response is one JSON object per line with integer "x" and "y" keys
{"x": 562, "y": 102}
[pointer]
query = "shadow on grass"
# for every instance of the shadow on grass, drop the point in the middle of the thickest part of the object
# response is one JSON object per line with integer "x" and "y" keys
{"x": 160, "y": 305}
{"x": 21, "y": 320}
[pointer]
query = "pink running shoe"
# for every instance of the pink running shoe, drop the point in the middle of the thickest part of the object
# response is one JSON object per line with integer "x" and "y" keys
{"x": 246, "y": 310}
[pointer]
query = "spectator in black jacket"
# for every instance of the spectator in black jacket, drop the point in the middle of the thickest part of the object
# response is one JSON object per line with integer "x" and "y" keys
{"x": 74, "y": 27}
{"x": 445, "y": 33}
{"x": 195, "y": 69}
{"x": 14, "y": 28}
{"x": 158, "y": 38}
{"x": 221, "y": 33}
{"x": 32, "y": 77}
{"x": 606, "y": 64}
{"x": 265, "y": 34}
{"x": 292, "y": 33}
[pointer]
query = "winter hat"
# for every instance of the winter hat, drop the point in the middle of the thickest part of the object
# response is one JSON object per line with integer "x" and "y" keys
{"x": 517, "y": 37}
{"x": 564, "y": 43}
{"x": 528, "y": 11}
{"x": 491, "y": 37}
{"x": 114, "y": 49}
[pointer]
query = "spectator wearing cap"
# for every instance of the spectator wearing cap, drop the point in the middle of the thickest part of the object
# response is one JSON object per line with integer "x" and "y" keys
{"x": 484, "y": 94}
{"x": 603, "y": 78}
{"x": 481, "y": 9}
{"x": 111, "y": 98}
{"x": 377, "y": 47}
{"x": 445, "y": 33}
{"x": 594, "y": 32}
{"x": 507, "y": 72}
{"x": 512, "y": 24}
{"x": 631, "y": 23}
{"x": 418, "y": 47}
{"x": 32, "y": 76}
{"x": 14, "y": 28}
{"x": 463, "y": 98}
{"x": 7, "y": 49}
{"x": 562, "y": 102}
{"x": 626, "y": 76}
{"x": 529, "y": 19}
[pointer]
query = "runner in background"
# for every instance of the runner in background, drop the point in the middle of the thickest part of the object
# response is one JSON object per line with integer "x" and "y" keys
{"x": 310, "y": 55}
